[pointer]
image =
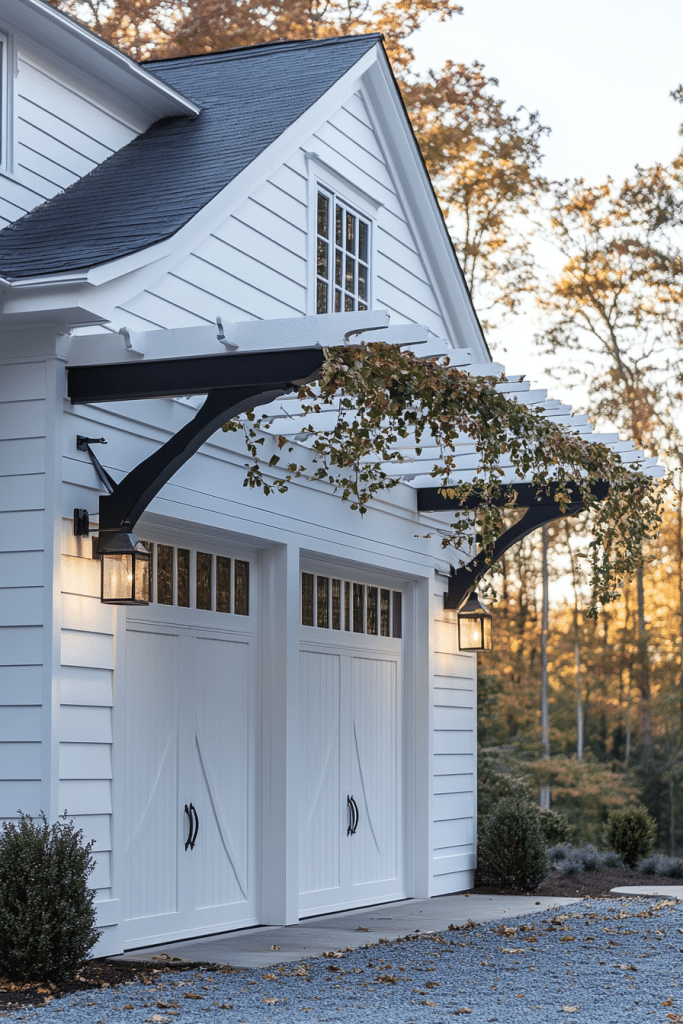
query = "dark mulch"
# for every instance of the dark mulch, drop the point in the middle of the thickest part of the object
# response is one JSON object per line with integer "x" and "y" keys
{"x": 595, "y": 884}
{"x": 102, "y": 973}
{"x": 106, "y": 973}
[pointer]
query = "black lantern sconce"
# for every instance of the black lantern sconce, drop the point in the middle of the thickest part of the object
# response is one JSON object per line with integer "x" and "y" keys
{"x": 125, "y": 570}
{"x": 474, "y": 626}
{"x": 474, "y": 618}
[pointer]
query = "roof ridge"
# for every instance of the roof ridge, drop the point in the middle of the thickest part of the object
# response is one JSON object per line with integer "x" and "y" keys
{"x": 246, "y": 50}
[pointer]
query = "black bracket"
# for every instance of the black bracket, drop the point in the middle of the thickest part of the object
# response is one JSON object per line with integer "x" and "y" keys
{"x": 462, "y": 581}
{"x": 541, "y": 507}
{"x": 231, "y": 387}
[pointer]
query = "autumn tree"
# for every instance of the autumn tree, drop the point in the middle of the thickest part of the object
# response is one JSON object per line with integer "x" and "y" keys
{"x": 616, "y": 302}
{"x": 484, "y": 162}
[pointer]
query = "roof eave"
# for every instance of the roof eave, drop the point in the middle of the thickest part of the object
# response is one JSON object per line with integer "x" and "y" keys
{"x": 48, "y": 28}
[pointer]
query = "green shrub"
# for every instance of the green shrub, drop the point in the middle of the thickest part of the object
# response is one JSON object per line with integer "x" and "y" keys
{"x": 630, "y": 832}
{"x": 555, "y": 827}
{"x": 512, "y": 848}
{"x": 47, "y": 916}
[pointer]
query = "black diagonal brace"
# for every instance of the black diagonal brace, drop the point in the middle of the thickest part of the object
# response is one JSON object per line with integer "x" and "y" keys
{"x": 468, "y": 576}
{"x": 233, "y": 385}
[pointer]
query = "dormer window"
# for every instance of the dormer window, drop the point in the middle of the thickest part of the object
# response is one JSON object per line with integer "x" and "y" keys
{"x": 342, "y": 256}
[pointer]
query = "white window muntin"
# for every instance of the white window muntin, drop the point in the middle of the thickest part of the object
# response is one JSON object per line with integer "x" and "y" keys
{"x": 342, "y": 255}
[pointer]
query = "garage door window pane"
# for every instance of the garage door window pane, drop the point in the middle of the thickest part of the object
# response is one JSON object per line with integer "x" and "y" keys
{"x": 164, "y": 574}
{"x": 347, "y": 607}
{"x": 397, "y": 626}
{"x": 307, "y": 599}
{"x": 241, "y": 587}
{"x": 385, "y": 605}
{"x": 204, "y": 581}
{"x": 223, "y": 588}
{"x": 372, "y": 610}
{"x": 183, "y": 577}
{"x": 358, "y": 609}
{"x": 323, "y": 602}
{"x": 336, "y": 604}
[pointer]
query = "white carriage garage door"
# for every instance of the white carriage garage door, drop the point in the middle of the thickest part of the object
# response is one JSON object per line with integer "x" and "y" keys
{"x": 352, "y": 842}
{"x": 190, "y": 752}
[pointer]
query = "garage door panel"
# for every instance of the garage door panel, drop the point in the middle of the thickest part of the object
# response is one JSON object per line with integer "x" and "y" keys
{"x": 376, "y": 769}
{"x": 151, "y": 787}
{"x": 222, "y": 786}
{"x": 321, "y": 803}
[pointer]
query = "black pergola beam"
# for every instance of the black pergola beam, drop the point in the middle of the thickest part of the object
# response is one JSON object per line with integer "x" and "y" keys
{"x": 233, "y": 384}
{"x": 431, "y": 499}
{"x": 191, "y": 375}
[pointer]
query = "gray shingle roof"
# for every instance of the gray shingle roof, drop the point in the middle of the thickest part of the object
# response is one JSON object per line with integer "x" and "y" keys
{"x": 154, "y": 185}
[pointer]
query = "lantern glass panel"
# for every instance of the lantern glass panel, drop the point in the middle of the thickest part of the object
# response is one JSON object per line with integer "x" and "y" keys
{"x": 141, "y": 579}
{"x": 470, "y": 633}
{"x": 117, "y": 577}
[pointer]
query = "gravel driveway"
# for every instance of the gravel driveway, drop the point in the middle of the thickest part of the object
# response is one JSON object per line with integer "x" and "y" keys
{"x": 600, "y": 962}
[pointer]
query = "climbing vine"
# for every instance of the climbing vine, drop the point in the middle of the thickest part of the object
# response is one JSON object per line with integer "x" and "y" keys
{"x": 385, "y": 398}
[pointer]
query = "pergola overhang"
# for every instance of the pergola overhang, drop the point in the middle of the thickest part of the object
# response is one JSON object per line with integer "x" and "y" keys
{"x": 260, "y": 362}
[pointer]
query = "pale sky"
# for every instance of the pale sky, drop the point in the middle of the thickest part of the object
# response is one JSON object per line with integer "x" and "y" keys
{"x": 599, "y": 73}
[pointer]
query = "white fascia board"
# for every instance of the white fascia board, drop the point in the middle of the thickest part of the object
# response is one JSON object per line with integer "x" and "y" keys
{"x": 106, "y": 67}
{"x": 404, "y": 159}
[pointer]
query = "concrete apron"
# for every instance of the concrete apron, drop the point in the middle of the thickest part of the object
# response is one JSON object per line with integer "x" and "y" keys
{"x": 269, "y": 945}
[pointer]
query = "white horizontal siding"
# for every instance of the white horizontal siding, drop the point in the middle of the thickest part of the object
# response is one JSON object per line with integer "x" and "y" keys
{"x": 21, "y": 606}
{"x": 20, "y": 760}
{"x": 453, "y": 761}
{"x": 85, "y": 797}
{"x": 20, "y": 685}
{"x": 85, "y": 761}
{"x": 92, "y": 687}
{"x": 20, "y": 723}
{"x": 51, "y": 150}
{"x": 80, "y": 648}
{"x": 20, "y": 795}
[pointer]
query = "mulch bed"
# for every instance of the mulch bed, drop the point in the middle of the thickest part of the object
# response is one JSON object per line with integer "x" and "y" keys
{"x": 591, "y": 884}
{"x": 104, "y": 973}
{"x": 101, "y": 973}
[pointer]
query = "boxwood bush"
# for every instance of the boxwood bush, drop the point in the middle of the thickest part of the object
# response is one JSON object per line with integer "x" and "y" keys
{"x": 630, "y": 832}
{"x": 512, "y": 847}
{"x": 47, "y": 916}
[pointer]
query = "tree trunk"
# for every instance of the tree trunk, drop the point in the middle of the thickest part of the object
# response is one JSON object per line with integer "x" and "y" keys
{"x": 544, "y": 800}
{"x": 644, "y": 672}
{"x": 577, "y": 646}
